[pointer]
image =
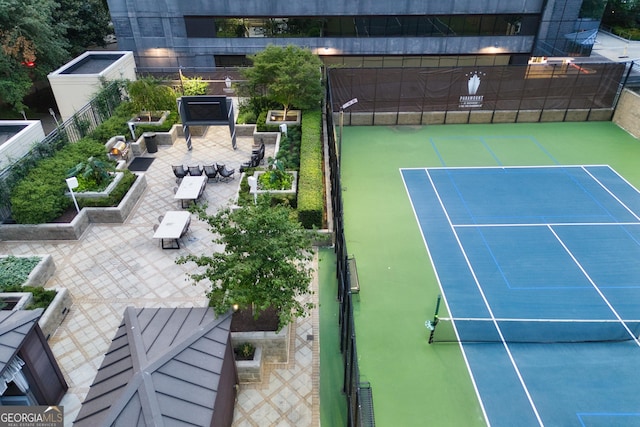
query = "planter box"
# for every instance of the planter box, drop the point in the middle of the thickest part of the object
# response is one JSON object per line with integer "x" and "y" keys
{"x": 250, "y": 371}
{"x": 275, "y": 346}
{"x": 275, "y": 117}
{"x": 41, "y": 273}
{"x": 98, "y": 194}
{"x": 75, "y": 229}
{"x": 56, "y": 312}
{"x": 292, "y": 190}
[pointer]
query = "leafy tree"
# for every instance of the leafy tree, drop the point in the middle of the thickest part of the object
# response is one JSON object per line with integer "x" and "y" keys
{"x": 86, "y": 23}
{"x": 147, "y": 94}
{"x": 32, "y": 45}
{"x": 288, "y": 75}
{"x": 193, "y": 86}
{"x": 264, "y": 262}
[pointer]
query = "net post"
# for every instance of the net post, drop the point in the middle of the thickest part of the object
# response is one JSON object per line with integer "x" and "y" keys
{"x": 432, "y": 325}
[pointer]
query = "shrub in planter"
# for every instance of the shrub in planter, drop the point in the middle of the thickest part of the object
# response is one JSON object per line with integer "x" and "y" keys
{"x": 14, "y": 271}
{"x": 116, "y": 195}
{"x": 114, "y": 125}
{"x": 244, "y": 351}
{"x": 262, "y": 126}
{"x": 40, "y": 196}
{"x": 41, "y": 297}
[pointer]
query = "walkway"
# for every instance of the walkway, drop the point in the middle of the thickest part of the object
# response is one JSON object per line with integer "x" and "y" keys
{"x": 118, "y": 265}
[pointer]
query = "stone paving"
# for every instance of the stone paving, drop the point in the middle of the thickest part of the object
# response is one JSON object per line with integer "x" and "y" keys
{"x": 118, "y": 265}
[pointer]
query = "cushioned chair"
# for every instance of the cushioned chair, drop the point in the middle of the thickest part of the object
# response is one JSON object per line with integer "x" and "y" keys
{"x": 259, "y": 152}
{"x": 179, "y": 171}
{"x": 225, "y": 174}
{"x": 195, "y": 170}
{"x": 210, "y": 171}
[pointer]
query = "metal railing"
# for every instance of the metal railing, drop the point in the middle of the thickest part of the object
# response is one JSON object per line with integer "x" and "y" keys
{"x": 86, "y": 120}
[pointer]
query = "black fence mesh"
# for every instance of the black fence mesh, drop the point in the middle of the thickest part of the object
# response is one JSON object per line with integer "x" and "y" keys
{"x": 550, "y": 86}
{"x": 359, "y": 404}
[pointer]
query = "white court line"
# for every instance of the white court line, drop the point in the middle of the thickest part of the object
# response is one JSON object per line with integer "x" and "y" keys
{"x": 444, "y": 297}
{"x": 611, "y": 193}
{"x": 486, "y": 303}
{"x": 613, "y": 310}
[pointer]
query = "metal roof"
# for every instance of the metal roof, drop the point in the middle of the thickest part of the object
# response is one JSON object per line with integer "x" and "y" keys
{"x": 14, "y": 328}
{"x": 162, "y": 369}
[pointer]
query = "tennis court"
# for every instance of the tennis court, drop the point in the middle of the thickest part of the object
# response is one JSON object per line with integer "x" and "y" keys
{"x": 531, "y": 233}
{"x": 541, "y": 262}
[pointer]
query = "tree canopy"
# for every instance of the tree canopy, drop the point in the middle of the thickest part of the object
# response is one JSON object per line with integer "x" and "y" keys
{"x": 288, "y": 75}
{"x": 38, "y": 36}
{"x": 86, "y": 23}
{"x": 264, "y": 262}
{"x": 32, "y": 45}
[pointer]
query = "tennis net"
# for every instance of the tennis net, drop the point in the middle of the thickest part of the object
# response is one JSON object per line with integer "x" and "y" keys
{"x": 486, "y": 330}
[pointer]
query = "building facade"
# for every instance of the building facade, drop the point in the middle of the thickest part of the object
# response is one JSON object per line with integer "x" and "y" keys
{"x": 166, "y": 35}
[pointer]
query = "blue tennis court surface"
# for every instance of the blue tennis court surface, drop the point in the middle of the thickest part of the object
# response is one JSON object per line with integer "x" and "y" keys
{"x": 539, "y": 269}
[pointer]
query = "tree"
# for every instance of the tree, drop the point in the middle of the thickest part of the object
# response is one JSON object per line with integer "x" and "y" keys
{"x": 288, "y": 75}
{"x": 32, "y": 46}
{"x": 264, "y": 262}
{"x": 193, "y": 85}
{"x": 86, "y": 23}
{"x": 147, "y": 94}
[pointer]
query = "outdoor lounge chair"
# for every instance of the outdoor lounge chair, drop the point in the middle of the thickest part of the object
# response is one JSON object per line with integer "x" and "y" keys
{"x": 179, "y": 171}
{"x": 195, "y": 170}
{"x": 225, "y": 173}
{"x": 259, "y": 152}
{"x": 210, "y": 171}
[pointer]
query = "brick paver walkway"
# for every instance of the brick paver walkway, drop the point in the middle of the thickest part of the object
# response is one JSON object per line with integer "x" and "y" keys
{"x": 118, "y": 265}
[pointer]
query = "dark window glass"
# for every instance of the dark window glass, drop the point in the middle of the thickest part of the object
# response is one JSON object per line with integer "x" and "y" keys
{"x": 361, "y": 26}
{"x": 200, "y": 26}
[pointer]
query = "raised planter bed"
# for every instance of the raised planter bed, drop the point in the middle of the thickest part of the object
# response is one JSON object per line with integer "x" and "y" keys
{"x": 250, "y": 371}
{"x": 74, "y": 229}
{"x": 274, "y": 345}
{"x": 292, "y": 190}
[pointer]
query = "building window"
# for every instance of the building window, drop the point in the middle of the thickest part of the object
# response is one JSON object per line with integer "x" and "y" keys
{"x": 200, "y": 26}
{"x": 360, "y": 26}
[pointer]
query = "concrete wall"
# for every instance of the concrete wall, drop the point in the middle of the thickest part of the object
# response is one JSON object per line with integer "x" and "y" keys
{"x": 627, "y": 114}
{"x": 74, "y": 91}
{"x": 18, "y": 146}
{"x": 156, "y": 32}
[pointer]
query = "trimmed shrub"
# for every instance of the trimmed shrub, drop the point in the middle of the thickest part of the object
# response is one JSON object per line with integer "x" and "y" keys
{"x": 41, "y": 297}
{"x": 116, "y": 195}
{"x": 116, "y": 124}
{"x": 40, "y": 196}
{"x": 166, "y": 126}
{"x": 310, "y": 180}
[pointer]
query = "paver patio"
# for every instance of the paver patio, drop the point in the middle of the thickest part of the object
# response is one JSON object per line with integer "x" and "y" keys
{"x": 118, "y": 265}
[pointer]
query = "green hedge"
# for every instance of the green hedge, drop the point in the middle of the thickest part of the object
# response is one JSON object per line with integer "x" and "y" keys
{"x": 116, "y": 195}
{"x": 116, "y": 124}
{"x": 166, "y": 126}
{"x": 310, "y": 180}
{"x": 40, "y": 196}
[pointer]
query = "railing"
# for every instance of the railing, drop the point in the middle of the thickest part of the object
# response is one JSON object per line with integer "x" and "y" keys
{"x": 359, "y": 394}
{"x": 71, "y": 130}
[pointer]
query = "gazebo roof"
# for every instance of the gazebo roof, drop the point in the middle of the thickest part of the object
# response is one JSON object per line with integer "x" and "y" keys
{"x": 163, "y": 367}
{"x": 14, "y": 328}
